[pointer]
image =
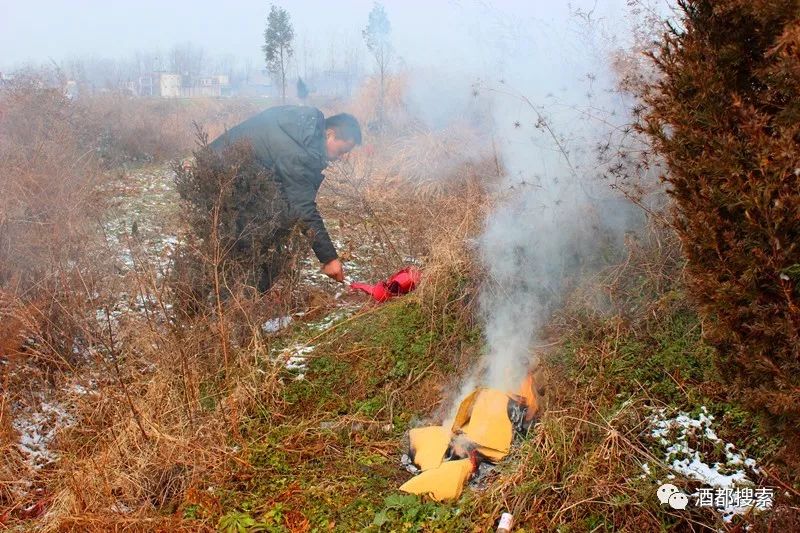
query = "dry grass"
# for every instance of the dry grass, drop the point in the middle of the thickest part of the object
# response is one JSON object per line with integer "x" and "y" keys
{"x": 365, "y": 107}
{"x": 133, "y": 383}
{"x": 437, "y": 160}
{"x": 142, "y": 130}
{"x": 164, "y": 423}
{"x": 180, "y": 402}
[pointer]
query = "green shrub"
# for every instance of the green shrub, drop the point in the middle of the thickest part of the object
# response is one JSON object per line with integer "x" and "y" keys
{"x": 724, "y": 115}
{"x": 237, "y": 216}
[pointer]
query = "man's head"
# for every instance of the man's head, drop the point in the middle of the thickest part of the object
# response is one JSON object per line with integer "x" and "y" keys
{"x": 342, "y": 133}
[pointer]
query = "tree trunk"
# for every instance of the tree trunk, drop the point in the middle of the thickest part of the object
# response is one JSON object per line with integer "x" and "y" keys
{"x": 381, "y": 96}
{"x": 283, "y": 79}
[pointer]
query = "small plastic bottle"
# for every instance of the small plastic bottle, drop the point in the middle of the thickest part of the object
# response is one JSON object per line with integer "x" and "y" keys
{"x": 506, "y": 523}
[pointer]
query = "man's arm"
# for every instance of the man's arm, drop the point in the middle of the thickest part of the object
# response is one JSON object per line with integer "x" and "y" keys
{"x": 300, "y": 185}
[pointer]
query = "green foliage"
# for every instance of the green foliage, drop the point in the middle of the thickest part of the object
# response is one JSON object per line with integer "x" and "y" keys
{"x": 191, "y": 511}
{"x": 378, "y": 30}
{"x": 410, "y": 513}
{"x": 665, "y": 356}
{"x": 371, "y": 406}
{"x": 236, "y": 522}
{"x": 331, "y": 449}
{"x": 377, "y": 36}
{"x": 394, "y": 342}
{"x": 271, "y": 458}
{"x": 724, "y": 115}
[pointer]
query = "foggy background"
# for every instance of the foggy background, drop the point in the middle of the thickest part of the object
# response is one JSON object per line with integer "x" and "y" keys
{"x": 464, "y": 35}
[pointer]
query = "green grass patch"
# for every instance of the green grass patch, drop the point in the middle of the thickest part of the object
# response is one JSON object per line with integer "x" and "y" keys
{"x": 329, "y": 452}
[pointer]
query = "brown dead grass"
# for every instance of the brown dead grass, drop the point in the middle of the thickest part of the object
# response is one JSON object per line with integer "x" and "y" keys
{"x": 143, "y": 439}
{"x": 170, "y": 398}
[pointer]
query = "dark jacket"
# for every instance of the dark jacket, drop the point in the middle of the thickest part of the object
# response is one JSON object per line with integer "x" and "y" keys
{"x": 290, "y": 141}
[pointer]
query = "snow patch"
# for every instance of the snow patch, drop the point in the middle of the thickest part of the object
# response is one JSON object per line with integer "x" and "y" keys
{"x": 295, "y": 358}
{"x": 682, "y": 437}
{"x": 331, "y": 319}
{"x": 37, "y": 430}
{"x": 274, "y": 325}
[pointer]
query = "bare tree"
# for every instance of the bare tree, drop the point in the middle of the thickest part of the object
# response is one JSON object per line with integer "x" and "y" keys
{"x": 305, "y": 62}
{"x": 353, "y": 61}
{"x": 225, "y": 64}
{"x": 97, "y": 73}
{"x": 187, "y": 60}
{"x": 278, "y": 48}
{"x": 377, "y": 35}
{"x": 146, "y": 61}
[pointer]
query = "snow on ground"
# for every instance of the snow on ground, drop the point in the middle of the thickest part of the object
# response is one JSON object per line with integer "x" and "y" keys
{"x": 140, "y": 225}
{"x": 294, "y": 358}
{"x": 332, "y": 318}
{"x": 143, "y": 230}
{"x": 683, "y": 436}
{"x": 274, "y": 325}
{"x": 144, "y": 199}
{"x": 37, "y": 430}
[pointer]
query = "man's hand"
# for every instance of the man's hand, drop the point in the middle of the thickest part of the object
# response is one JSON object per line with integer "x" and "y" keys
{"x": 333, "y": 269}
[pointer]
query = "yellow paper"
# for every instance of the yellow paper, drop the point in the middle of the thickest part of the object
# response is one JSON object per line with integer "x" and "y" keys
{"x": 483, "y": 418}
{"x": 527, "y": 395}
{"x": 464, "y": 410}
{"x": 428, "y": 446}
{"x": 490, "y": 454}
{"x": 445, "y": 482}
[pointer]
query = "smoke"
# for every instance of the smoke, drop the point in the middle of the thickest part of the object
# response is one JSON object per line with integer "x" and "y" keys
{"x": 542, "y": 98}
{"x": 555, "y": 220}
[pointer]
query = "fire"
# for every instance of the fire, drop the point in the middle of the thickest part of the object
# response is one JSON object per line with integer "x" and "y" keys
{"x": 527, "y": 396}
{"x": 482, "y": 431}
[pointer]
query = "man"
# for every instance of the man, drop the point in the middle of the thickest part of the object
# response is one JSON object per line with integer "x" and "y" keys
{"x": 296, "y": 143}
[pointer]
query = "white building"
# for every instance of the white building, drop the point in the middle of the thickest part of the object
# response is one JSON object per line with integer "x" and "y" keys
{"x": 169, "y": 85}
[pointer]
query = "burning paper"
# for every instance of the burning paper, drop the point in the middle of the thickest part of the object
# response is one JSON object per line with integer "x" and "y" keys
{"x": 481, "y": 432}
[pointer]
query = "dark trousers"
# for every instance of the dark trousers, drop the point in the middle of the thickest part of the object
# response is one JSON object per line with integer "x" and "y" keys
{"x": 263, "y": 228}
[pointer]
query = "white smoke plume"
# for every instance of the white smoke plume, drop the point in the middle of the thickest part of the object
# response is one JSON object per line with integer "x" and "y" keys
{"x": 553, "y": 103}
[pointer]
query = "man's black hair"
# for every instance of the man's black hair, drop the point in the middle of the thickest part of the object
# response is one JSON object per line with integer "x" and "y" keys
{"x": 346, "y": 127}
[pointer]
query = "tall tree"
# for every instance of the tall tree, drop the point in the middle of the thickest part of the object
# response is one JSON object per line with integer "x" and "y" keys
{"x": 377, "y": 35}
{"x": 278, "y": 48}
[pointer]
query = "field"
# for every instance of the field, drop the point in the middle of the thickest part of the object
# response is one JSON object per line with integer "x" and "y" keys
{"x": 134, "y": 401}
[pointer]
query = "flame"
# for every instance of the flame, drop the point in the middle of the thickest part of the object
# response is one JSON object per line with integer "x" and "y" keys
{"x": 482, "y": 430}
{"x": 527, "y": 395}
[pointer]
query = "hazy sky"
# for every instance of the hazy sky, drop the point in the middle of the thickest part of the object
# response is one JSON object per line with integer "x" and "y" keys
{"x": 37, "y": 30}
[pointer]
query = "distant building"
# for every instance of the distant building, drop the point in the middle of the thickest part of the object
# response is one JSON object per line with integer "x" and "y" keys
{"x": 71, "y": 89}
{"x": 172, "y": 85}
{"x": 207, "y": 86}
{"x": 257, "y": 84}
{"x": 169, "y": 85}
{"x": 5, "y": 79}
{"x": 145, "y": 86}
{"x": 131, "y": 87}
